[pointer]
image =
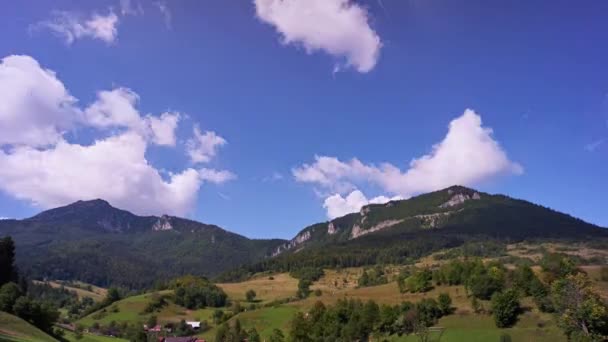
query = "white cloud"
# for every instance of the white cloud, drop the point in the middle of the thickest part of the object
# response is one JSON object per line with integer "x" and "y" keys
{"x": 337, "y": 27}
{"x": 163, "y": 128}
{"x": 41, "y": 166}
{"x": 216, "y": 176}
{"x": 35, "y": 107}
{"x": 72, "y": 26}
{"x": 468, "y": 155}
{"x": 114, "y": 169}
{"x": 338, "y": 206}
{"x": 165, "y": 12}
{"x": 116, "y": 108}
{"x": 203, "y": 146}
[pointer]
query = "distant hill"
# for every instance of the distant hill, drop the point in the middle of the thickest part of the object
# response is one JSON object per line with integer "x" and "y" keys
{"x": 13, "y": 328}
{"x": 96, "y": 243}
{"x": 401, "y": 231}
{"x": 453, "y": 210}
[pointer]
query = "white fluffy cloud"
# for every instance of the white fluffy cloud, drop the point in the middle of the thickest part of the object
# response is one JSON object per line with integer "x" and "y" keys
{"x": 72, "y": 26}
{"x": 202, "y": 147}
{"x": 117, "y": 108}
{"x": 41, "y": 166}
{"x": 114, "y": 169}
{"x": 337, "y": 27}
{"x": 467, "y": 155}
{"x": 35, "y": 107}
{"x": 337, "y": 206}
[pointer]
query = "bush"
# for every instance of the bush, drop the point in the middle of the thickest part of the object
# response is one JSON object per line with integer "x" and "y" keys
{"x": 505, "y": 308}
{"x": 250, "y": 295}
{"x": 445, "y": 304}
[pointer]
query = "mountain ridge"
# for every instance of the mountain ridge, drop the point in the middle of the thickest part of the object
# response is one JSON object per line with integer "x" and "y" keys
{"x": 95, "y": 242}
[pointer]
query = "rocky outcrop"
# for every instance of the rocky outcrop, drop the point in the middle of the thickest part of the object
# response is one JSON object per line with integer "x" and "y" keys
{"x": 163, "y": 223}
{"x": 293, "y": 243}
{"x": 458, "y": 199}
{"x": 358, "y": 231}
{"x": 331, "y": 229}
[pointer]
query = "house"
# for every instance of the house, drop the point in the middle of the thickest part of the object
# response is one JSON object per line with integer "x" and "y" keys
{"x": 156, "y": 328}
{"x": 194, "y": 324}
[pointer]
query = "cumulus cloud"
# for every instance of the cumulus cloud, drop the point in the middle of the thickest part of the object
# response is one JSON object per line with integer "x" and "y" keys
{"x": 35, "y": 107}
{"x": 114, "y": 169}
{"x": 72, "y": 26}
{"x": 337, "y": 27}
{"x": 41, "y": 166}
{"x": 202, "y": 147}
{"x": 468, "y": 155}
{"x": 337, "y": 206}
{"x": 117, "y": 108}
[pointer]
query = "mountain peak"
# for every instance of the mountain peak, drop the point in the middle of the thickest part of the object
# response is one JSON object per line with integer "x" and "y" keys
{"x": 93, "y": 214}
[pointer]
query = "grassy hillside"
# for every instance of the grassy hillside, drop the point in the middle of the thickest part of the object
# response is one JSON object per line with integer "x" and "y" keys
{"x": 15, "y": 329}
{"x": 81, "y": 289}
{"x": 463, "y": 325}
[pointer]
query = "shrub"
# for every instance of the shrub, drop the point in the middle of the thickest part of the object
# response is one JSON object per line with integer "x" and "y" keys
{"x": 505, "y": 308}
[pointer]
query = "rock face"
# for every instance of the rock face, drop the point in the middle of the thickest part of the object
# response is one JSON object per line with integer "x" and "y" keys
{"x": 434, "y": 220}
{"x": 357, "y": 231}
{"x": 293, "y": 243}
{"x": 458, "y": 199}
{"x": 331, "y": 229}
{"x": 163, "y": 223}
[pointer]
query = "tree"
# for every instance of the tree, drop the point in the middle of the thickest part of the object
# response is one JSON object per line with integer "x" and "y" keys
{"x": 299, "y": 329}
{"x": 152, "y": 321}
{"x": 8, "y": 271}
{"x": 304, "y": 288}
{"x": 43, "y": 316}
{"x": 253, "y": 336}
{"x": 276, "y": 336}
{"x": 581, "y": 313}
{"x": 218, "y": 316}
{"x": 9, "y": 293}
{"x": 444, "y": 301}
{"x": 112, "y": 296}
{"x": 222, "y": 333}
{"x": 505, "y": 308}
{"x": 78, "y": 331}
{"x": 420, "y": 281}
{"x": 250, "y": 295}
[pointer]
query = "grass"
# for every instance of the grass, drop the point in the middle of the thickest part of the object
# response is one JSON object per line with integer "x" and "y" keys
{"x": 13, "y": 328}
{"x": 70, "y": 336}
{"x": 481, "y": 328}
{"x": 96, "y": 293}
{"x": 264, "y": 320}
{"x": 281, "y": 286}
{"x": 131, "y": 309}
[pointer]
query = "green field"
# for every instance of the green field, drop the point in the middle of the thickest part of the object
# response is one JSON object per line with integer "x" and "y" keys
{"x": 13, "y": 328}
{"x": 463, "y": 325}
{"x": 91, "y": 338}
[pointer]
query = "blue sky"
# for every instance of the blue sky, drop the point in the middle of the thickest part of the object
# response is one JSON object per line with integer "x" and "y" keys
{"x": 280, "y": 89}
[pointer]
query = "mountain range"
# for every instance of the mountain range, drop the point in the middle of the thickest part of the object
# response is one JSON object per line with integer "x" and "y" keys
{"x": 94, "y": 242}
